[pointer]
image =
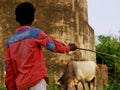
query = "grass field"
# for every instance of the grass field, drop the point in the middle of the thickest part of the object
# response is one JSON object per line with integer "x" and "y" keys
{"x": 49, "y": 87}
{"x": 2, "y": 87}
{"x": 113, "y": 86}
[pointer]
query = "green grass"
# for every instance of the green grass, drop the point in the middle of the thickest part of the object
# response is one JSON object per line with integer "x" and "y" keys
{"x": 2, "y": 87}
{"x": 112, "y": 86}
{"x": 49, "y": 87}
{"x": 53, "y": 87}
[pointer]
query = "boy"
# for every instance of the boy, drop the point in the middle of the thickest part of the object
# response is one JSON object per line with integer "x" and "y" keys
{"x": 26, "y": 69}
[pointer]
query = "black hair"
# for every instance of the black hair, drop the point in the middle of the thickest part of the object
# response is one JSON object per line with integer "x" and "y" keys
{"x": 25, "y": 13}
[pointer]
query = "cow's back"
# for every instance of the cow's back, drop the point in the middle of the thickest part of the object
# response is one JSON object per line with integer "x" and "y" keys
{"x": 84, "y": 70}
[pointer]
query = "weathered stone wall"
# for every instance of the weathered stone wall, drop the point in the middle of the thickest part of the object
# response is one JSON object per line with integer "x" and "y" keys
{"x": 64, "y": 20}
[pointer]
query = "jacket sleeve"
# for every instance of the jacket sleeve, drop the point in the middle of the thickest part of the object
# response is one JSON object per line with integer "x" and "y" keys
{"x": 52, "y": 44}
{"x": 10, "y": 78}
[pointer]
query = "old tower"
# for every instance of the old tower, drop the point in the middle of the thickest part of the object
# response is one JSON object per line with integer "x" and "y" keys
{"x": 64, "y": 20}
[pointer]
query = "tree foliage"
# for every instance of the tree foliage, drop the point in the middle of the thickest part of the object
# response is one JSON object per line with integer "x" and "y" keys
{"x": 110, "y": 45}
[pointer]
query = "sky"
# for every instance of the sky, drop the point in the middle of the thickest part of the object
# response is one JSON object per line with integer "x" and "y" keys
{"x": 104, "y": 16}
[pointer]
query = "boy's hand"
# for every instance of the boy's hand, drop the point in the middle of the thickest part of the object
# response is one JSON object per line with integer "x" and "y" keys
{"x": 72, "y": 46}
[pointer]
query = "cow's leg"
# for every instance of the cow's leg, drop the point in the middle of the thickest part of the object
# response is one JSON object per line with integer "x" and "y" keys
{"x": 76, "y": 87}
{"x": 94, "y": 84}
{"x": 83, "y": 84}
{"x": 89, "y": 86}
{"x": 62, "y": 87}
{"x": 66, "y": 88}
{"x": 71, "y": 85}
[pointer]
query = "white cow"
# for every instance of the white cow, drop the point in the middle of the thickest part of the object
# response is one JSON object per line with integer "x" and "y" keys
{"x": 79, "y": 71}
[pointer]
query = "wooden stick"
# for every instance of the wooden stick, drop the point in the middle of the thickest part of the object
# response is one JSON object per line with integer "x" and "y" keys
{"x": 99, "y": 53}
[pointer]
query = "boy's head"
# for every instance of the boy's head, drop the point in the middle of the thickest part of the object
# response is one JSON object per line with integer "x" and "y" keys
{"x": 25, "y": 13}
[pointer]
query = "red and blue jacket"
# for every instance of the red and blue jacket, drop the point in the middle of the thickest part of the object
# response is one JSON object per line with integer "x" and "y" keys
{"x": 25, "y": 65}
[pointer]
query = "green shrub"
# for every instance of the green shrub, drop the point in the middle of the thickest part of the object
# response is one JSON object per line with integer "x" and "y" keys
{"x": 113, "y": 85}
{"x": 2, "y": 87}
{"x": 53, "y": 87}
